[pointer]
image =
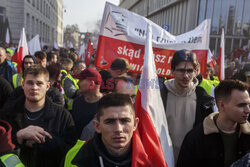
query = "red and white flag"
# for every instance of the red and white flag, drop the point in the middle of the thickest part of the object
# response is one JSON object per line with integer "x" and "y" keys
{"x": 22, "y": 51}
{"x": 221, "y": 58}
{"x": 210, "y": 59}
{"x": 152, "y": 145}
{"x": 89, "y": 53}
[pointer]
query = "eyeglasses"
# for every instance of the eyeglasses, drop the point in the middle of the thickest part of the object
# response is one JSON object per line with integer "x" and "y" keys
{"x": 183, "y": 71}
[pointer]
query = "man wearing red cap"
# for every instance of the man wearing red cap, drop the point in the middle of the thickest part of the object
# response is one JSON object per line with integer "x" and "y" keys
{"x": 85, "y": 106}
{"x": 7, "y": 156}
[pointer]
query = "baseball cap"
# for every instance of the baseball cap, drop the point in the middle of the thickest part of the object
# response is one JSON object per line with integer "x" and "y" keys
{"x": 90, "y": 74}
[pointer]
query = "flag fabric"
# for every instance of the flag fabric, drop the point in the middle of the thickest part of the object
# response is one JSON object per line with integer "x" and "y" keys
{"x": 82, "y": 52}
{"x": 56, "y": 45}
{"x": 221, "y": 58}
{"x": 71, "y": 45}
{"x": 21, "y": 51}
{"x": 7, "y": 36}
{"x": 210, "y": 59}
{"x": 89, "y": 53}
{"x": 151, "y": 144}
{"x": 34, "y": 45}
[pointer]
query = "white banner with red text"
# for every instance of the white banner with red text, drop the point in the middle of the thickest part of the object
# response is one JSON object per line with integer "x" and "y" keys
{"x": 123, "y": 34}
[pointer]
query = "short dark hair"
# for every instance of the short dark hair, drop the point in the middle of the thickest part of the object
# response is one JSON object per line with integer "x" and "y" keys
{"x": 51, "y": 55}
{"x": 40, "y": 55}
{"x": 186, "y": 56}
{"x": 120, "y": 64}
{"x": 36, "y": 70}
{"x": 225, "y": 88}
{"x": 113, "y": 100}
{"x": 54, "y": 70}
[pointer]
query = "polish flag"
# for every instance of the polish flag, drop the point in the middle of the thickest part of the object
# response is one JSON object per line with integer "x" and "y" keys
{"x": 89, "y": 53}
{"x": 7, "y": 37}
{"x": 22, "y": 51}
{"x": 221, "y": 58}
{"x": 151, "y": 144}
{"x": 210, "y": 59}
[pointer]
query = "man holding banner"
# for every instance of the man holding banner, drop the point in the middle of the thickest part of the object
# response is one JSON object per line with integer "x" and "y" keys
{"x": 186, "y": 104}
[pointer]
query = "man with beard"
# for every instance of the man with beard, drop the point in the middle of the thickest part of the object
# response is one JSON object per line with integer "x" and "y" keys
{"x": 42, "y": 130}
{"x": 186, "y": 104}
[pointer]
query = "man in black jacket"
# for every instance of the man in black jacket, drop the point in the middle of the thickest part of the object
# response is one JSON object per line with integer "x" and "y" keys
{"x": 223, "y": 137}
{"x": 186, "y": 104}
{"x": 111, "y": 145}
{"x": 43, "y": 130}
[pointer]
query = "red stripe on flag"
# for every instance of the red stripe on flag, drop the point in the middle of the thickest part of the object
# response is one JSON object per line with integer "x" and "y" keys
{"x": 147, "y": 149}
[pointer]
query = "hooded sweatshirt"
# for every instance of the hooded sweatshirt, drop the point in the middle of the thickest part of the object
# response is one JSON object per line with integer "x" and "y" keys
{"x": 180, "y": 113}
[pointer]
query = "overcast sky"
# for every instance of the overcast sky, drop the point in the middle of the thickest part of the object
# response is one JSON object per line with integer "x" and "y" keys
{"x": 85, "y": 13}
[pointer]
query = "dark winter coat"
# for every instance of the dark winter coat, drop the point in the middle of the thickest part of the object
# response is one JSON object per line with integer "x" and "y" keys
{"x": 56, "y": 120}
{"x": 203, "y": 146}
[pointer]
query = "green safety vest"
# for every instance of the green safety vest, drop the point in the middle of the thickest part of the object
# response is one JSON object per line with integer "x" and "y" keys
{"x": 206, "y": 85}
{"x": 214, "y": 82}
{"x": 72, "y": 153}
{"x": 70, "y": 100}
{"x": 64, "y": 71}
{"x": 17, "y": 80}
{"x": 11, "y": 160}
{"x": 11, "y": 51}
{"x": 15, "y": 64}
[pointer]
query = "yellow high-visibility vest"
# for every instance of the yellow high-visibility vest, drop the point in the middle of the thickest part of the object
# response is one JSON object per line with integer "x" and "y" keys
{"x": 72, "y": 153}
{"x": 17, "y": 80}
{"x": 70, "y": 100}
{"x": 11, "y": 160}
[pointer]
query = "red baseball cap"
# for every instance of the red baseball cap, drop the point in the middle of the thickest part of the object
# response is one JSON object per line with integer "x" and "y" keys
{"x": 90, "y": 74}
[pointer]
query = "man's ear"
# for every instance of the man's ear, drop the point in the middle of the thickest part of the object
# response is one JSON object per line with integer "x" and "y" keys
{"x": 136, "y": 123}
{"x": 220, "y": 105}
{"x": 48, "y": 86}
{"x": 96, "y": 124}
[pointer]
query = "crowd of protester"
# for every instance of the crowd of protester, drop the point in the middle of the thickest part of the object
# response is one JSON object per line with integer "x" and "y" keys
{"x": 58, "y": 112}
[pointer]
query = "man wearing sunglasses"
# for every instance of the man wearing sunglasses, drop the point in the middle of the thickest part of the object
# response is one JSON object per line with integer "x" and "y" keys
{"x": 186, "y": 104}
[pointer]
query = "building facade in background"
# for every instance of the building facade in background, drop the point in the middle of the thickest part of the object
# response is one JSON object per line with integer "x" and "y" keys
{"x": 43, "y": 17}
{"x": 180, "y": 16}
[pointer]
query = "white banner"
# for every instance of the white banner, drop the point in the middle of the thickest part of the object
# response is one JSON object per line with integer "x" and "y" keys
{"x": 123, "y": 34}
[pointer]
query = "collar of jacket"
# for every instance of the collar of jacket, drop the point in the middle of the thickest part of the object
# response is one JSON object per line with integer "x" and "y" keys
{"x": 48, "y": 109}
{"x": 97, "y": 148}
{"x": 210, "y": 127}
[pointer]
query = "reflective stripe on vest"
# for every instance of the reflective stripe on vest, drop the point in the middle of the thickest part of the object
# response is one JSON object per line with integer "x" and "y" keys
{"x": 206, "y": 85}
{"x": 17, "y": 80}
{"x": 72, "y": 153}
{"x": 11, "y": 160}
{"x": 64, "y": 71}
{"x": 70, "y": 100}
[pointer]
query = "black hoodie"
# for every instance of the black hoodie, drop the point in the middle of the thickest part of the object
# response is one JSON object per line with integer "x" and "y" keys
{"x": 93, "y": 153}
